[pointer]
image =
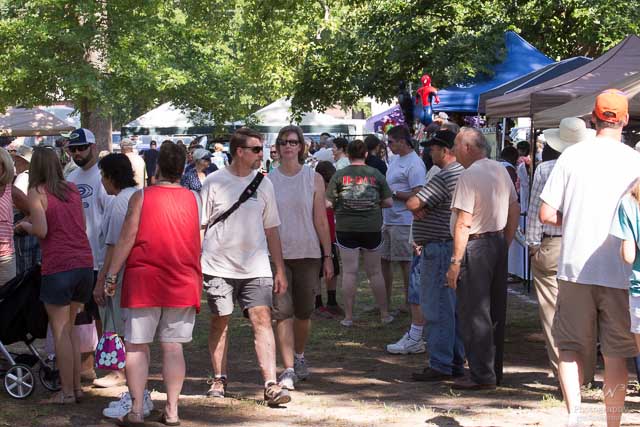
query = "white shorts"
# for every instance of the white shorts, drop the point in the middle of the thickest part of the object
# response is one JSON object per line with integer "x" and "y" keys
{"x": 634, "y": 311}
{"x": 168, "y": 324}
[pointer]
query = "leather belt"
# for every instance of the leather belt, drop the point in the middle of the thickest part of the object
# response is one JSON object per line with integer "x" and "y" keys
{"x": 545, "y": 235}
{"x": 426, "y": 242}
{"x": 486, "y": 235}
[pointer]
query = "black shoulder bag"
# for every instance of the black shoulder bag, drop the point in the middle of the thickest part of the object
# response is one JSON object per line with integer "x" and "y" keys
{"x": 248, "y": 192}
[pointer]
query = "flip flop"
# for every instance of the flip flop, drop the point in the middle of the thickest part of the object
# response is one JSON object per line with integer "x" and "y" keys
{"x": 165, "y": 421}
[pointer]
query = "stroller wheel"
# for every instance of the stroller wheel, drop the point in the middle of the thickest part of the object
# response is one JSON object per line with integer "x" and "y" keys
{"x": 19, "y": 381}
{"x": 49, "y": 376}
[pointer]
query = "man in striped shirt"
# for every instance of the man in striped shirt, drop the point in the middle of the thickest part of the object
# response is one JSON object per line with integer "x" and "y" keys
{"x": 432, "y": 210}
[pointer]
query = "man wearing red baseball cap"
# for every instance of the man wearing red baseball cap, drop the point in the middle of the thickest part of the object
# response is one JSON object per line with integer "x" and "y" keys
{"x": 593, "y": 280}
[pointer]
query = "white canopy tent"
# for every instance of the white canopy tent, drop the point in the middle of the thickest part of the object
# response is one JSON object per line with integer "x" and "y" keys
{"x": 278, "y": 114}
{"x": 31, "y": 122}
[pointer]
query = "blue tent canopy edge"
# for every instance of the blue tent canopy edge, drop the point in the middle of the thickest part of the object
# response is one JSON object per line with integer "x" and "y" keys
{"x": 521, "y": 58}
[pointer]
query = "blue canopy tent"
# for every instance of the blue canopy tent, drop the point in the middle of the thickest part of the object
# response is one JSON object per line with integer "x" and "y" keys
{"x": 521, "y": 58}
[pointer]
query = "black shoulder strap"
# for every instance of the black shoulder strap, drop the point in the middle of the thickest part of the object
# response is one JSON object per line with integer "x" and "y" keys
{"x": 248, "y": 192}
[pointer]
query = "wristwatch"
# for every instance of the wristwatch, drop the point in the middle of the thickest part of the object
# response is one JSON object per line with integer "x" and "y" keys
{"x": 455, "y": 260}
{"x": 111, "y": 278}
{"x": 327, "y": 256}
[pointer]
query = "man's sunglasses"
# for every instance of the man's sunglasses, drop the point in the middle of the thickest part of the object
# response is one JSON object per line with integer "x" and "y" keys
{"x": 255, "y": 150}
{"x": 291, "y": 142}
{"x": 76, "y": 148}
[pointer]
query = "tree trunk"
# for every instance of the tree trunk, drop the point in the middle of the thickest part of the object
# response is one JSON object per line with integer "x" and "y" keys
{"x": 93, "y": 119}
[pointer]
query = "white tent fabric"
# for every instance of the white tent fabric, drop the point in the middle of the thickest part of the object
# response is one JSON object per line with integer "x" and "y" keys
{"x": 31, "y": 122}
{"x": 166, "y": 115}
{"x": 279, "y": 114}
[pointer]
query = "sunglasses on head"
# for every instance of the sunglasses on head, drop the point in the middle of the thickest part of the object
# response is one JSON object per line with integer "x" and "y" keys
{"x": 255, "y": 150}
{"x": 76, "y": 148}
{"x": 291, "y": 142}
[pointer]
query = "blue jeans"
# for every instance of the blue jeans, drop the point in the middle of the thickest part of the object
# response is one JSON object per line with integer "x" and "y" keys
{"x": 413, "y": 296}
{"x": 438, "y": 303}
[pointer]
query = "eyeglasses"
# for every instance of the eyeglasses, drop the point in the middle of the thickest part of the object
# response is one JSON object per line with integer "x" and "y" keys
{"x": 291, "y": 142}
{"x": 76, "y": 148}
{"x": 273, "y": 152}
{"x": 255, "y": 150}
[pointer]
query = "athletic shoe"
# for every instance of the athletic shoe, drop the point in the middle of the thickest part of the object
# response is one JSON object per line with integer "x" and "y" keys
{"x": 321, "y": 313}
{"x": 406, "y": 345}
{"x": 122, "y": 407}
{"x": 275, "y": 395}
{"x": 346, "y": 323}
{"x": 387, "y": 320}
{"x": 300, "y": 367}
{"x": 335, "y": 310}
{"x": 218, "y": 388}
{"x": 288, "y": 379}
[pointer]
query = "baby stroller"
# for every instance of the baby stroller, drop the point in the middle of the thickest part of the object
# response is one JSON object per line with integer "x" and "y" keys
{"x": 23, "y": 318}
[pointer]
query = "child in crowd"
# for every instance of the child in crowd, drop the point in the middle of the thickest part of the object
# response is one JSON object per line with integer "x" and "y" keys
{"x": 332, "y": 309}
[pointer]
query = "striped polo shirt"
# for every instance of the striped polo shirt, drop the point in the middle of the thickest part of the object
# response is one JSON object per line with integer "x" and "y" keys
{"x": 436, "y": 195}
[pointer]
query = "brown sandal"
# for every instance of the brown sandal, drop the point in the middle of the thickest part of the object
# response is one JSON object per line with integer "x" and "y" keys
{"x": 127, "y": 420}
{"x": 78, "y": 394}
{"x": 165, "y": 420}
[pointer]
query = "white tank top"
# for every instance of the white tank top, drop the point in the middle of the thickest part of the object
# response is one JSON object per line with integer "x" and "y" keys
{"x": 294, "y": 196}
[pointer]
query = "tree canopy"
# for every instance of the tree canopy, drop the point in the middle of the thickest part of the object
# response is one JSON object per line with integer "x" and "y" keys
{"x": 230, "y": 57}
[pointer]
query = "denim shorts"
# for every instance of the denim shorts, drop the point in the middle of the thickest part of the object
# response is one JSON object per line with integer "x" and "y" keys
{"x": 414, "y": 281}
{"x": 62, "y": 288}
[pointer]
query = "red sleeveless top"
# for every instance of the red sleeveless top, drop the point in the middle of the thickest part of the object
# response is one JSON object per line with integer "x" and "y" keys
{"x": 66, "y": 246}
{"x": 163, "y": 268}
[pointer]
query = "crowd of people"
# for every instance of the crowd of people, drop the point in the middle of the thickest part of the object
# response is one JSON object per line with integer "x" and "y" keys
{"x": 267, "y": 239}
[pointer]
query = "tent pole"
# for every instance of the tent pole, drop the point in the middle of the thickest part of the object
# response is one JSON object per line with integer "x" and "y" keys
{"x": 504, "y": 133}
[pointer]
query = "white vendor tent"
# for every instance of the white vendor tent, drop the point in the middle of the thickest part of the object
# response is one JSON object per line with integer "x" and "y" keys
{"x": 31, "y": 122}
{"x": 278, "y": 114}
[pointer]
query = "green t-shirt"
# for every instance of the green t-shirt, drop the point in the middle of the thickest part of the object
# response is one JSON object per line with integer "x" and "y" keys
{"x": 356, "y": 192}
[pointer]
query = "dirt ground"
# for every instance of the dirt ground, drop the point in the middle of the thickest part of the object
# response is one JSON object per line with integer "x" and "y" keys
{"x": 354, "y": 383}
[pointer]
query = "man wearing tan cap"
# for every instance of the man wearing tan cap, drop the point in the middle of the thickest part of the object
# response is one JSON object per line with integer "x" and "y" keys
{"x": 592, "y": 277}
{"x": 137, "y": 162}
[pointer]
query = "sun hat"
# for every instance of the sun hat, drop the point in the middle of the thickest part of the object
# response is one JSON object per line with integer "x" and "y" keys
{"x": 24, "y": 152}
{"x": 80, "y": 136}
{"x": 201, "y": 154}
{"x": 127, "y": 143}
{"x": 571, "y": 131}
{"x": 611, "y": 106}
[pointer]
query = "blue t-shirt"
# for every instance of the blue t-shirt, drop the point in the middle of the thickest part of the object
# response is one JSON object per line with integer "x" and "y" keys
{"x": 626, "y": 226}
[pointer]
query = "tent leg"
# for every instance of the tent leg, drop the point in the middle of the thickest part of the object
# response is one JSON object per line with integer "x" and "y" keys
{"x": 504, "y": 133}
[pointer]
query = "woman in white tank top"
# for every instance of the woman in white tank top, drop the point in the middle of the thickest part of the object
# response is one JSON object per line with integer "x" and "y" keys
{"x": 306, "y": 247}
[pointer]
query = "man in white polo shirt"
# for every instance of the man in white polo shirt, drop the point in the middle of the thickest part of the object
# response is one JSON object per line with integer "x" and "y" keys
{"x": 592, "y": 277}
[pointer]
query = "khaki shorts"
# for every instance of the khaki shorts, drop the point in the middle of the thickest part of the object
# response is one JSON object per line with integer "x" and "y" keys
{"x": 168, "y": 324}
{"x": 396, "y": 243}
{"x": 303, "y": 278}
{"x": 583, "y": 310}
{"x": 222, "y": 293}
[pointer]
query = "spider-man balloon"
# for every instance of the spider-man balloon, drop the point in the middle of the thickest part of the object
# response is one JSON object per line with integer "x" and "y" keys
{"x": 424, "y": 98}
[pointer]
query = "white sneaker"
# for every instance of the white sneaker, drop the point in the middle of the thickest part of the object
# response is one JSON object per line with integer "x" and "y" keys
{"x": 122, "y": 407}
{"x": 300, "y": 368}
{"x": 288, "y": 379}
{"x": 406, "y": 345}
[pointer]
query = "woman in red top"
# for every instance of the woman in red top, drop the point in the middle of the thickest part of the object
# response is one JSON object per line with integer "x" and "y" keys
{"x": 160, "y": 244}
{"x": 57, "y": 219}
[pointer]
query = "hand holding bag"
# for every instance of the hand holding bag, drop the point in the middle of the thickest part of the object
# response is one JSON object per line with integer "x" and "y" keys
{"x": 110, "y": 352}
